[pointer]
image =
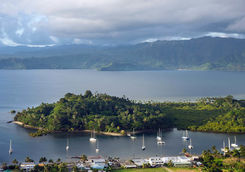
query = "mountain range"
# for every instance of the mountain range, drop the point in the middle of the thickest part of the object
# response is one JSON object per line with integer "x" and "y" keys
{"x": 205, "y": 53}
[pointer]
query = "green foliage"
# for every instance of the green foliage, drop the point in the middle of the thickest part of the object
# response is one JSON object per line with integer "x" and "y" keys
{"x": 170, "y": 163}
{"x": 28, "y": 159}
{"x": 197, "y": 54}
{"x": 13, "y": 111}
{"x": 15, "y": 161}
{"x": 43, "y": 159}
{"x": 112, "y": 114}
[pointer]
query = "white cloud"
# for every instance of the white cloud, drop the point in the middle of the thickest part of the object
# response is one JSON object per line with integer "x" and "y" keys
{"x": 54, "y": 39}
{"x": 123, "y": 20}
{"x": 8, "y": 42}
{"x": 19, "y": 32}
{"x": 81, "y": 41}
{"x": 225, "y": 35}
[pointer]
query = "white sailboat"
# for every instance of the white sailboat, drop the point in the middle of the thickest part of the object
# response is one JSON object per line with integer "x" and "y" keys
{"x": 224, "y": 148}
{"x": 160, "y": 142}
{"x": 92, "y": 138}
{"x": 133, "y": 136}
{"x": 185, "y": 135}
{"x": 67, "y": 144}
{"x": 143, "y": 143}
{"x": 10, "y": 148}
{"x": 159, "y": 135}
{"x": 190, "y": 145}
{"x": 234, "y": 145}
{"x": 97, "y": 147}
{"x": 229, "y": 143}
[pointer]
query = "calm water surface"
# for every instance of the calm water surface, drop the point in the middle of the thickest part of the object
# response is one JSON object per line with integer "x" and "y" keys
{"x": 22, "y": 88}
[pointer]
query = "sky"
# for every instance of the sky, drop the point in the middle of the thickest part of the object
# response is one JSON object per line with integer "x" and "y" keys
{"x": 38, "y": 23}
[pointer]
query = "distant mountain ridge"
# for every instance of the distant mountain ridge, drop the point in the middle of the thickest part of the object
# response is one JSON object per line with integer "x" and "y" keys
{"x": 204, "y": 53}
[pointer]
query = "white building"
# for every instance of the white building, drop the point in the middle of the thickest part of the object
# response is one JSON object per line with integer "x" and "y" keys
{"x": 28, "y": 166}
{"x": 139, "y": 162}
{"x": 177, "y": 160}
{"x": 154, "y": 161}
{"x": 97, "y": 162}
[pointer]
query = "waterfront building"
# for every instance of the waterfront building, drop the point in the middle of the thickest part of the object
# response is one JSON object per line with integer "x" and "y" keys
{"x": 28, "y": 166}
{"x": 155, "y": 161}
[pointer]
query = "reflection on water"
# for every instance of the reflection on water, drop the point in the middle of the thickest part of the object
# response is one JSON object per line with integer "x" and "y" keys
{"x": 20, "y": 89}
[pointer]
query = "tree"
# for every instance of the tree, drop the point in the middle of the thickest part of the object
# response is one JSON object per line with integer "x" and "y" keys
{"x": 43, "y": 159}
{"x": 28, "y": 159}
{"x": 184, "y": 150}
{"x": 15, "y": 161}
{"x": 84, "y": 158}
{"x": 170, "y": 163}
{"x": 50, "y": 161}
{"x": 75, "y": 169}
{"x": 62, "y": 167}
{"x": 88, "y": 94}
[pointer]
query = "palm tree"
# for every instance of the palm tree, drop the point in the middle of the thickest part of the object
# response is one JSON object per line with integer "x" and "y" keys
{"x": 184, "y": 150}
{"x": 84, "y": 158}
{"x": 28, "y": 159}
{"x": 15, "y": 162}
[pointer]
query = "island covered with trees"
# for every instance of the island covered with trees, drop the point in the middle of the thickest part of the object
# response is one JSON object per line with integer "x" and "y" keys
{"x": 105, "y": 113}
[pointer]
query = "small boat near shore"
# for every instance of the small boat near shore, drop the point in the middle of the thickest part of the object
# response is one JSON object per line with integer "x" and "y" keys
{"x": 185, "y": 135}
{"x": 10, "y": 147}
{"x": 97, "y": 147}
{"x": 67, "y": 144}
{"x": 143, "y": 143}
{"x": 190, "y": 145}
{"x": 92, "y": 138}
{"x": 133, "y": 135}
{"x": 234, "y": 145}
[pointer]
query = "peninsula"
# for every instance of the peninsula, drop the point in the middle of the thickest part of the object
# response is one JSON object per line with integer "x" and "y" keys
{"x": 117, "y": 116}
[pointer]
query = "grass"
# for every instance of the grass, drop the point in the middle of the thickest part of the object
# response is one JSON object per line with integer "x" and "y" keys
{"x": 142, "y": 170}
{"x": 172, "y": 169}
{"x": 176, "y": 169}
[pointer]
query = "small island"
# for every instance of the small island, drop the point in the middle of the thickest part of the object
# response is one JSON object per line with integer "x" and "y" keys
{"x": 118, "y": 116}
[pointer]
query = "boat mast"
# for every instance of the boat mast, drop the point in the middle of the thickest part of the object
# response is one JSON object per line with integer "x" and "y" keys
{"x": 143, "y": 141}
{"x": 10, "y": 147}
{"x": 229, "y": 143}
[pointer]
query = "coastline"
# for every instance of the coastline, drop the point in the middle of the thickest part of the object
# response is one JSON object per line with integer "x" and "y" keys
{"x": 26, "y": 126}
{"x": 112, "y": 133}
{"x": 76, "y": 131}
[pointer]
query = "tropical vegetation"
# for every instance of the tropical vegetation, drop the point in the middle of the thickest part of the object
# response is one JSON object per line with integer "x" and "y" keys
{"x": 120, "y": 115}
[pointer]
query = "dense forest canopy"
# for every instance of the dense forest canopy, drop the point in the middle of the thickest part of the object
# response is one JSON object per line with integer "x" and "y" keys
{"x": 113, "y": 114}
{"x": 204, "y": 53}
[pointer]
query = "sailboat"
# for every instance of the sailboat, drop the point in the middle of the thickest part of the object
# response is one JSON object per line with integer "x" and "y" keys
{"x": 185, "y": 135}
{"x": 143, "y": 143}
{"x": 234, "y": 145}
{"x": 190, "y": 145}
{"x": 224, "y": 148}
{"x": 159, "y": 135}
{"x": 133, "y": 136}
{"x": 92, "y": 138}
{"x": 229, "y": 143}
{"x": 160, "y": 142}
{"x": 67, "y": 144}
{"x": 10, "y": 148}
{"x": 97, "y": 147}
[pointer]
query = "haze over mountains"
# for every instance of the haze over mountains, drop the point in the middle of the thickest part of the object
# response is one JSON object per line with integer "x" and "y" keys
{"x": 204, "y": 53}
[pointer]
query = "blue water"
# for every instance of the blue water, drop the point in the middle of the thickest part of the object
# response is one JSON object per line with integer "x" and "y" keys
{"x": 24, "y": 88}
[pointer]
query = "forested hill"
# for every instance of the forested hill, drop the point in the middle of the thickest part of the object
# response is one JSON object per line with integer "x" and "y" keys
{"x": 196, "y": 54}
{"x": 113, "y": 114}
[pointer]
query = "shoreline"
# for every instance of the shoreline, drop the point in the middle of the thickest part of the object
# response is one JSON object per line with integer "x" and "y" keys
{"x": 76, "y": 131}
{"x": 115, "y": 134}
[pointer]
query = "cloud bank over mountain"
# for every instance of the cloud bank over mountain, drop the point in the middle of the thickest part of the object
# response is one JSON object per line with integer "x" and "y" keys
{"x": 30, "y": 22}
